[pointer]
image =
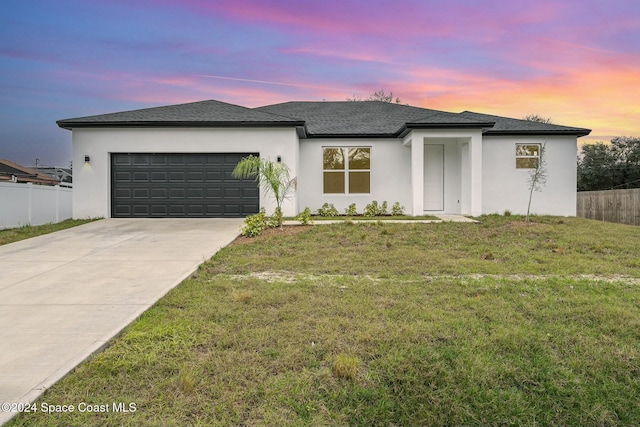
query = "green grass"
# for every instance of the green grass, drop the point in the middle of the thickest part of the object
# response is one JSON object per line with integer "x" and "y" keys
{"x": 379, "y": 324}
{"x": 28, "y": 231}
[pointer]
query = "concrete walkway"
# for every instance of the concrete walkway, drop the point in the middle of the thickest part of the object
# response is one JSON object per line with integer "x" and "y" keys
{"x": 441, "y": 218}
{"x": 64, "y": 295}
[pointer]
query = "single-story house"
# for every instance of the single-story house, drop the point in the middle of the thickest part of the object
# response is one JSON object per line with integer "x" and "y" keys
{"x": 176, "y": 160}
{"x": 14, "y": 172}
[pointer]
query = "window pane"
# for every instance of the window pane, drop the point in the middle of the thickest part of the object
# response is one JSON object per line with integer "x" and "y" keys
{"x": 333, "y": 158}
{"x": 359, "y": 182}
{"x": 527, "y": 150}
{"x": 334, "y": 182}
{"x": 359, "y": 158}
{"x": 527, "y": 163}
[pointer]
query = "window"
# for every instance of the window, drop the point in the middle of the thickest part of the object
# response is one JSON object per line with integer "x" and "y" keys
{"x": 346, "y": 170}
{"x": 527, "y": 156}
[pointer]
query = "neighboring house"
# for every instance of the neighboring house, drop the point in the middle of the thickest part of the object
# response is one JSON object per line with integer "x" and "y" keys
{"x": 64, "y": 175}
{"x": 13, "y": 172}
{"x": 176, "y": 161}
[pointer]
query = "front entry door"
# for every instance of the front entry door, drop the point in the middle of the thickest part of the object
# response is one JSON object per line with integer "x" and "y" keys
{"x": 434, "y": 177}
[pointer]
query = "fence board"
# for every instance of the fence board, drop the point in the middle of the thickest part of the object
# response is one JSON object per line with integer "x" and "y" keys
{"x": 621, "y": 206}
{"x": 29, "y": 204}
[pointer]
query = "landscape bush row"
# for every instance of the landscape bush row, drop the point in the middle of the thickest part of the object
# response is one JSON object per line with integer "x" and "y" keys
{"x": 255, "y": 224}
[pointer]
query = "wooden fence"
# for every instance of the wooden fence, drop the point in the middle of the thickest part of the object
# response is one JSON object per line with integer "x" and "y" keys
{"x": 622, "y": 206}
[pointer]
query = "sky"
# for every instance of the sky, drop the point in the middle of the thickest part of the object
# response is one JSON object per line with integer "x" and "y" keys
{"x": 576, "y": 62}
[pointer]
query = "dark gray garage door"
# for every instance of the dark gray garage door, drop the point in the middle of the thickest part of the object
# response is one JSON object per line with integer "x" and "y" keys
{"x": 180, "y": 185}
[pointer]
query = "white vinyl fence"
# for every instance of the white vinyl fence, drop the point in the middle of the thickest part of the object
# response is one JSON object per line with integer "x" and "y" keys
{"x": 30, "y": 204}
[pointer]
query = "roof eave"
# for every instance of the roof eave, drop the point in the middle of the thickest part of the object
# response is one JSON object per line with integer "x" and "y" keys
{"x": 70, "y": 125}
{"x": 350, "y": 135}
{"x": 573, "y": 132}
{"x": 408, "y": 127}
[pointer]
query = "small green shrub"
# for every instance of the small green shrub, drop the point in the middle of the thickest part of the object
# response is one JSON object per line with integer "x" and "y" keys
{"x": 507, "y": 213}
{"x": 275, "y": 220}
{"x": 254, "y": 224}
{"x": 305, "y": 217}
{"x": 328, "y": 210}
{"x": 277, "y": 215}
{"x": 383, "y": 208}
{"x": 351, "y": 210}
{"x": 397, "y": 210}
{"x": 372, "y": 209}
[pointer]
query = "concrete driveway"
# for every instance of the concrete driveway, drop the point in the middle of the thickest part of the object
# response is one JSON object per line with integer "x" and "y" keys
{"x": 64, "y": 295}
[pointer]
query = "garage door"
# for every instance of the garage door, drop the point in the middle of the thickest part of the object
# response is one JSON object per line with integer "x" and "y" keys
{"x": 180, "y": 185}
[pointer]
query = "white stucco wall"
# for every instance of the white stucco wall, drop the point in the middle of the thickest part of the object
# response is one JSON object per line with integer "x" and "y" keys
{"x": 91, "y": 195}
{"x": 507, "y": 188}
{"x": 390, "y": 174}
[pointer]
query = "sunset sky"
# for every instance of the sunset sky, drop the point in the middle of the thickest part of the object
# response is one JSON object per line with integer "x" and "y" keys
{"x": 577, "y": 62}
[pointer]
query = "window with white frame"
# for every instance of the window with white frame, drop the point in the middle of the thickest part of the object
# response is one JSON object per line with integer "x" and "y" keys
{"x": 527, "y": 156}
{"x": 346, "y": 170}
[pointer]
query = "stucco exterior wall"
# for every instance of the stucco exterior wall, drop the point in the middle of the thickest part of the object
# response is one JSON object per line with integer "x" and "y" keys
{"x": 390, "y": 174}
{"x": 507, "y": 188}
{"x": 92, "y": 193}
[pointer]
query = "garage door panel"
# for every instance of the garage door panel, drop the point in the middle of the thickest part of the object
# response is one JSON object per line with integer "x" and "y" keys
{"x": 140, "y": 176}
{"x": 195, "y": 193}
{"x": 195, "y": 176}
{"x": 141, "y": 193}
{"x": 250, "y": 193}
{"x": 159, "y": 160}
{"x": 180, "y": 185}
{"x": 140, "y": 209}
{"x": 159, "y": 193}
{"x": 214, "y": 176}
{"x": 214, "y": 193}
{"x": 176, "y": 193}
{"x": 141, "y": 159}
{"x": 124, "y": 176}
{"x": 176, "y": 160}
{"x": 121, "y": 159}
{"x": 176, "y": 177}
{"x": 159, "y": 176}
{"x": 123, "y": 193}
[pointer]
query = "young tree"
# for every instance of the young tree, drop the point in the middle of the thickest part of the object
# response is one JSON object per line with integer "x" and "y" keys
{"x": 537, "y": 118}
{"x": 380, "y": 95}
{"x": 272, "y": 177}
{"x": 537, "y": 176}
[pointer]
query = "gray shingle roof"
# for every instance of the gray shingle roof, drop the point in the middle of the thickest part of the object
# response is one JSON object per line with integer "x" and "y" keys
{"x": 506, "y": 125}
{"x": 319, "y": 119}
{"x": 204, "y": 113}
{"x": 365, "y": 118}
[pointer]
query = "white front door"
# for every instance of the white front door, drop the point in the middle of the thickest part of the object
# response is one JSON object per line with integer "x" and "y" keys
{"x": 434, "y": 177}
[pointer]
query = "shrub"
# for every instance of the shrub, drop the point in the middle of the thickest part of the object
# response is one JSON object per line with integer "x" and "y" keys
{"x": 305, "y": 217}
{"x": 397, "y": 210}
{"x": 328, "y": 210}
{"x": 383, "y": 208}
{"x": 372, "y": 209}
{"x": 351, "y": 210}
{"x": 275, "y": 220}
{"x": 254, "y": 224}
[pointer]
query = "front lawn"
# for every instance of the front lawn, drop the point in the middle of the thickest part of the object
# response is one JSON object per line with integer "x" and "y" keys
{"x": 11, "y": 235}
{"x": 499, "y": 322}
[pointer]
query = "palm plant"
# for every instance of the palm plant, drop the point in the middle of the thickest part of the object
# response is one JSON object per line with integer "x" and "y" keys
{"x": 272, "y": 177}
